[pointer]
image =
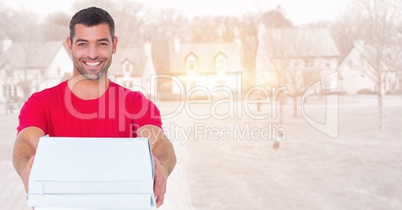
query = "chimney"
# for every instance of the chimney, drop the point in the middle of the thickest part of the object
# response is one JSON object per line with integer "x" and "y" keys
{"x": 6, "y": 44}
{"x": 261, "y": 31}
{"x": 176, "y": 44}
{"x": 359, "y": 43}
{"x": 148, "y": 49}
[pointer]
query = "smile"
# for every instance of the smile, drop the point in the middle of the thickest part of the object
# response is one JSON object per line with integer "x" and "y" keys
{"x": 92, "y": 63}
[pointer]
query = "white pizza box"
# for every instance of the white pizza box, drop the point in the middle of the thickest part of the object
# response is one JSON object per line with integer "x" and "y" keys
{"x": 97, "y": 173}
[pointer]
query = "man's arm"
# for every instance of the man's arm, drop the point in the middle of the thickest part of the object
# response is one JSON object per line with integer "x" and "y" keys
{"x": 24, "y": 152}
{"x": 164, "y": 157}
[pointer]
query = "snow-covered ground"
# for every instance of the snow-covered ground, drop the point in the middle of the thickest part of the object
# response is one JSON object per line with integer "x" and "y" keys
{"x": 226, "y": 158}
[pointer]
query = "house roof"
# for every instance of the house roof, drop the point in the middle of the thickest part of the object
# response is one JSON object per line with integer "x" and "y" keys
{"x": 30, "y": 55}
{"x": 363, "y": 54}
{"x": 205, "y": 54}
{"x": 299, "y": 43}
{"x": 134, "y": 56}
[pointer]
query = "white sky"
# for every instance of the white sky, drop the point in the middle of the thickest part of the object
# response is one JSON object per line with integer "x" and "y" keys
{"x": 298, "y": 11}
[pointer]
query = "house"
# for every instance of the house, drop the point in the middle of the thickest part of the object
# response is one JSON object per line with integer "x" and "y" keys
{"x": 205, "y": 66}
{"x": 133, "y": 68}
{"x": 4, "y": 46}
{"x": 358, "y": 70}
{"x": 295, "y": 57}
{"x": 29, "y": 67}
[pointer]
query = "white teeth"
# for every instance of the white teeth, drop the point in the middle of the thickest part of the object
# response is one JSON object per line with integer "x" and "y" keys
{"x": 92, "y": 64}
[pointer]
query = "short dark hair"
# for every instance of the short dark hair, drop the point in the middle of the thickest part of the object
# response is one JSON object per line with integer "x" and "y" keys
{"x": 91, "y": 16}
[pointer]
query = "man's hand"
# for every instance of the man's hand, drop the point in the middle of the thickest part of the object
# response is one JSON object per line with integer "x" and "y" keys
{"x": 24, "y": 152}
{"x": 27, "y": 171}
{"x": 164, "y": 158}
{"x": 159, "y": 182}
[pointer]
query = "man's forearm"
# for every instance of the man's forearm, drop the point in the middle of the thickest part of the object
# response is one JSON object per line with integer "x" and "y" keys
{"x": 164, "y": 152}
{"x": 162, "y": 147}
{"x": 23, "y": 157}
{"x": 23, "y": 151}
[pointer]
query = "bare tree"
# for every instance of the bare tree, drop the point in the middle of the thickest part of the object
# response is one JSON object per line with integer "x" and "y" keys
{"x": 130, "y": 18}
{"x": 55, "y": 27}
{"x": 286, "y": 57}
{"x": 24, "y": 33}
{"x": 284, "y": 52}
{"x": 218, "y": 28}
{"x": 203, "y": 29}
{"x": 227, "y": 28}
{"x": 7, "y": 82}
{"x": 167, "y": 26}
{"x": 164, "y": 29}
{"x": 248, "y": 32}
{"x": 345, "y": 31}
{"x": 24, "y": 27}
{"x": 276, "y": 19}
{"x": 7, "y": 14}
{"x": 378, "y": 21}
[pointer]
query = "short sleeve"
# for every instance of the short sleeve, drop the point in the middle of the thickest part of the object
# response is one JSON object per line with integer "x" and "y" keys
{"x": 32, "y": 114}
{"x": 145, "y": 112}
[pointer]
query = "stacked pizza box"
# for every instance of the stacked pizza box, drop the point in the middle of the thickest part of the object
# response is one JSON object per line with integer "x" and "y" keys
{"x": 92, "y": 173}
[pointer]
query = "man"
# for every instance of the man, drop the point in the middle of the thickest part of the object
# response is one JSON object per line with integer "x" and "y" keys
{"x": 89, "y": 105}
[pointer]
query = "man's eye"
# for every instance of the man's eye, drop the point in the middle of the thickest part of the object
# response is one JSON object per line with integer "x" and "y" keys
{"x": 103, "y": 44}
{"x": 81, "y": 44}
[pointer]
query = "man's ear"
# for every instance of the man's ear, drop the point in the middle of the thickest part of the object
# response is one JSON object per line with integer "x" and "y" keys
{"x": 115, "y": 40}
{"x": 69, "y": 45}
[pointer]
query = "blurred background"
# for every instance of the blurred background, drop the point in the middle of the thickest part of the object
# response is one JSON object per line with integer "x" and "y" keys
{"x": 270, "y": 104}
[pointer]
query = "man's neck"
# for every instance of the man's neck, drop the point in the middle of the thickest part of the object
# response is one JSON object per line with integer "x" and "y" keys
{"x": 87, "y": 89}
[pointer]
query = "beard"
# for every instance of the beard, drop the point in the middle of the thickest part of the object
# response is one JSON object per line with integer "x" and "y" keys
{"x": 82, "y": 68}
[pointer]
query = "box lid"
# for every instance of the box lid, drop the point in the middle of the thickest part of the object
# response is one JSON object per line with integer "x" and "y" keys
{"x": 89, "y": 201}
{"x": 92, "y": 166}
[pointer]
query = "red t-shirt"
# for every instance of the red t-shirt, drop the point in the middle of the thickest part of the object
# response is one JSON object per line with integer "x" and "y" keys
{"x": 119, "y": 112}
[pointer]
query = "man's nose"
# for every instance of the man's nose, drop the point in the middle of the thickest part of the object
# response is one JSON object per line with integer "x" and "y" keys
{"x": 93, "y": 52}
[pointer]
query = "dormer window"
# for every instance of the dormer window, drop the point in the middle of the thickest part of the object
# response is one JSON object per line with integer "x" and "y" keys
{"x": 309, "y": 62}
{"x": 14, "y": 91}
{"x": 220, "y": 65}
{"x": 8, "y": 72}
{"x": 191, "y": 63}
{"x": 4, "y": 90}
{"x": 328, "y": 64}
{"x": 127, "y": 67}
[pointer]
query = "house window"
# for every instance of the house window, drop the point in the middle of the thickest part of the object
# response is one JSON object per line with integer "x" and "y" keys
{"x": 128, "y": 84}
{"x": 9, "y": 72}
{"x": 309, "y": 62}
{"x": 220, "y": 65}
{"x": 127, "y": 68}
{"x": 4, "y": 91}
{"x": 9, "y": 91}
{"x": 191, "y": 64}
{"x": 14, "y": 91}
{"x": 328, "y": 63}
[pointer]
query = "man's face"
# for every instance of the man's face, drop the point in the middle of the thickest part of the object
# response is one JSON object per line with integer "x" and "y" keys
{"x": 92, "y": 49}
